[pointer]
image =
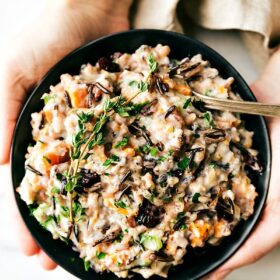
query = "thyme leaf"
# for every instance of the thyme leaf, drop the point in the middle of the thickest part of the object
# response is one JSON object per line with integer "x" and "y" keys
{"x": 142, "y": 86}
{"x": 195, "y": 197}
{"x": 120, "y": 204}
{"x": 86, "y": 264}
{"x": 47, "y": 98}
{"x": 112, "y": 160}
{"x": 184, "y": 163}
{"x": 122, "y": 143}
{"x": 187, "y": 103}
{"x": 208, "y": 118}
{"x": 152, "y": 63}
{"x": 132, "y": 83}
{"x": 100, "y": 255}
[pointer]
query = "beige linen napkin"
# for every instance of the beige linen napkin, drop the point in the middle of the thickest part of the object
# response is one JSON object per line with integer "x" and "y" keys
{"x": 158, "y": 14}
{"x": 258, "y": 19}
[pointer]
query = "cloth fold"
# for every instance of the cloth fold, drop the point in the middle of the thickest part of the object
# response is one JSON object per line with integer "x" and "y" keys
{"x": 259, "y": 20}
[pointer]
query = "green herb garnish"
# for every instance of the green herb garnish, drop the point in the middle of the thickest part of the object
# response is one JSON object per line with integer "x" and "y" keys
{"x": 72, "y": 182}
{"x": 64, "y": 240}
{"x": 58, "y": 218}
{"x": 122, "y": 143}
{"x": 47, "y": 98}
{"x": 86, "y": 264}
{"x": 153, "y": 151}
{"x": 85, "y": 117}
{"x": 47, "y": 221}
{"x": 32, "y": 208}
{"x": 100, "y": 255}
{"x": 126, "y": 109}
{"x": 180, "y": 215}
{"x": 112, "y": 160}
{"x": 142, "y": 86}
{"x": 119, "y": 237}
{"x": 55, "y": 190}
{"x": 78, "y": 211}
{"x": 80, "y": 137}
{"x": 120, "y": 204}
{"x": 184, "y": 163}
{"x": 65, "y": 211}
{"x": 161, "y": 159}
{"x": 133, "y": 83}
{"x": 187, "y": 103}
{"x": 195, "y": 197}
{"x": 208, "y": 118}
{"x": 183, "y": 226}
{"x": 170, "y": 152}
{"x": 152, "y": 63}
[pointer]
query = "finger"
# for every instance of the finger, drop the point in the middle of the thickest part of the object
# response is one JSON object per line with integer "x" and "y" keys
{"x": 253, "y": 249}
{"x": 26, "y": 242}
{"x": 12, "y": 97}
{"x": 24, "y": 239}
{"x": 7, "y": 129}
{"x": 45, "y": 261}
{"x": 266, "y": 88}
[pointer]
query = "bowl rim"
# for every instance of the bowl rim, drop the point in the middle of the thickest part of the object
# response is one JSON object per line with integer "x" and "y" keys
{"x": 257, "y": 212}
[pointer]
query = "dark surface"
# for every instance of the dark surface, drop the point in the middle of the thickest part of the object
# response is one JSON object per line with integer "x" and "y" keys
{"x": 197, "y": 262}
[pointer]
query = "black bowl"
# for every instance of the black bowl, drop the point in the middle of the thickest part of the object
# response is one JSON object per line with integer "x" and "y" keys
{"x": 197, "y": 262}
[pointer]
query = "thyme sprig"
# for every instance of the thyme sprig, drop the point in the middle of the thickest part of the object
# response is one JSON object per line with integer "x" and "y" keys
{"x": 143, "y": 85}
{"x": 82, "y": 142}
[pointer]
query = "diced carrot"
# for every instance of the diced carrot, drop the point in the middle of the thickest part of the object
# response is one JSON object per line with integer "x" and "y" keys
{"x": 122, "y": 211}
{"x": 114, "y": 259}
{"x": 78, "y": 98}
{"x": 52, "y": 159}
{"x": 42, "y": 146}
{"x": 183, "y": 89}
{"x": 48, "y": 116}
{"x": 37, "y": 188}
{"x": 197, "y": 242}
{"x": 170, "y": 82}
{"x": 200, "y": 228}
{"x": 130, "y": 152}
{"x": 56, "y": 159}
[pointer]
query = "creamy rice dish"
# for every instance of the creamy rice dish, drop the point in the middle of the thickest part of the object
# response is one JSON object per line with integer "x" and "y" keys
{"x": 131, "y": 169}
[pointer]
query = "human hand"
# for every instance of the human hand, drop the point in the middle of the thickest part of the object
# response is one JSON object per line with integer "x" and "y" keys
{"x": 266, "y": 235}
{"x": 63, "y": 26}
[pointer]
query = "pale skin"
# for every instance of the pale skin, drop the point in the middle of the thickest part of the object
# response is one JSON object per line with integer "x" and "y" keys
{"x": 82, "y": 21}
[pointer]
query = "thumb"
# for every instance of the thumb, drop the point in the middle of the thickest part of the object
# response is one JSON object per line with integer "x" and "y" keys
{"x": 256, "y": 246}
{"x": 12, "y": 90}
